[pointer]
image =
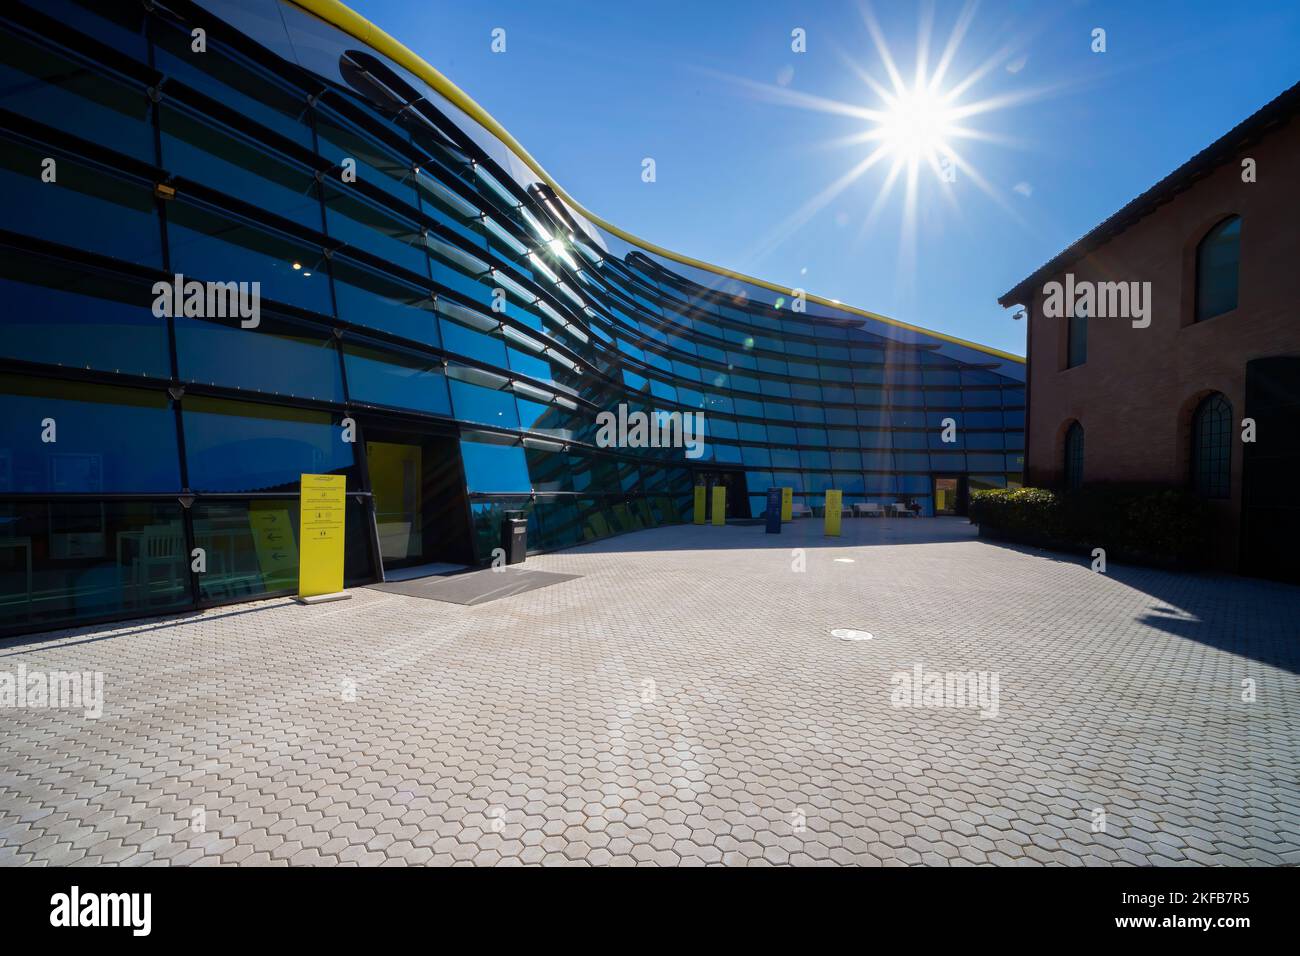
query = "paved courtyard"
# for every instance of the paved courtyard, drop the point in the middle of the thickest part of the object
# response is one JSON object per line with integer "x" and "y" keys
{"x": 684, "y": 702}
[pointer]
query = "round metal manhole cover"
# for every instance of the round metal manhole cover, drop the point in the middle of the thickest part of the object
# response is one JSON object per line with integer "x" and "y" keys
{"x": 848, "y": 634}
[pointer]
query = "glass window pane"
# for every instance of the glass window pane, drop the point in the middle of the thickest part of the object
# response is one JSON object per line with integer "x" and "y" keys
{"x": 239, "y": 446}
{"x": 1078, "y": 344}
{"x": 86, "y": 208}
{"x": 473, "y": 403}
{"x": 234, "y": 82}
{"x": 374, "y": 228}
{"x": 380, "y": 376}
{"x": 1212, "y": 447}
{"x": 209, "y": 246}
{"x": 202, "y": 150}
{"x": 56, "y": 89}
{"x": 1218, "y": 259}
{"x": 376, "y": 165}
{"x": 252, "y": 546}
{"x": 62, "y": 314}
{"x": 495, "y": 468}
{"x": 105, "y": 438}
{"x": 66, "y": 561}
{"x": 376, "y": 301}
{"x": 278, "y": 357}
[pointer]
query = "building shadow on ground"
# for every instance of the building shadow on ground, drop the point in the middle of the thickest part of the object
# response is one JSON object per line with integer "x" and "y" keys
{"x": 1249, "y": 617}
{"x": 799, "y": 533}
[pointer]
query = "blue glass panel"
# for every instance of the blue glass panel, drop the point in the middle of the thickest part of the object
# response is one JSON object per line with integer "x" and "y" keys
{"x": 979, "y": 398}
{"x": 57, "y": 313}
{"x": 729, "y": 454}
{"x": 718, "y": 427}
{"x": 785, "y": 458}
{"x": 848, "y": 482}
{"x": 365, "y": 225}
{"x": 86, "y": 208}
{"x": 277, "y": 357}
{"x": 471, "y": 343}
{"x": 106, "y": 439}
{"x": 210, "y": 154}
{"x": 529, "y": 365}
{"x": 495, "y": 468}
{"x": 239, "y": 446}
{"x": 209, "y": 246}
{"x": 379, "y": 376}
{"x": 879, "y": 484}
{"x": 376, "y": 301}
{"x": 663, "y": 390}
{"x": 535, "y": 415}
{"x": 234, "y": 82}
{"x": 979, "y": 462}
{"x": 376, "y": 165}
{"x": 52, "y": 88}
{"x": 120, "y": 25}
{"x": 788, "y": 479}
{"x": 474, "y": 403}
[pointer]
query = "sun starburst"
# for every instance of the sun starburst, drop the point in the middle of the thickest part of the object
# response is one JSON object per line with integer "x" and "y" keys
{"x": 913, "y": 129}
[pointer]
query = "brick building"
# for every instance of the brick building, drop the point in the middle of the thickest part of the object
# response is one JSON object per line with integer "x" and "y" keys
{"x": 1204, "y": 271}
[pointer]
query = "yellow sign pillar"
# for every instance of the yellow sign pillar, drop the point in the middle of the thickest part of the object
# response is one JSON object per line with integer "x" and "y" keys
{"x": 699, "y": 504}
{"x": 719, "y": 504}
{"x": 834, "y": 511}
{"x": 321, "y": 518}
{"x": 787, "y": 504}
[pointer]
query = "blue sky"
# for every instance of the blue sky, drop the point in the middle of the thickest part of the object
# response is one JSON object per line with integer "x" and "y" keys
{"x": 712, "y": 91}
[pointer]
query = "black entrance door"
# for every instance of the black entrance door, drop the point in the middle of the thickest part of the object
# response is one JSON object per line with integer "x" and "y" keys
{"x": 737, "y": 491}
{"x": 417, "y": 487}
{"x": 1270, "y": 509}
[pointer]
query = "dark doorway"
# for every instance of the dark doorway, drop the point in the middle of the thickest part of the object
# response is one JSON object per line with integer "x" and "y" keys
{"x": 949, "y": 494}
{"x": 1270, "y": 510}
{"x": 421, "y": 511}
{"x": 737, "y": 491}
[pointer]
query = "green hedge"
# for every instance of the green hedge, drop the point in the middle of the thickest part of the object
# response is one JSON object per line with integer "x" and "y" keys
{"x": 1152, "y": 525}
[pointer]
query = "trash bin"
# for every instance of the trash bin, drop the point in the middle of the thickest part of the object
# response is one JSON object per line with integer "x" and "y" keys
{"x": 514, "y": 536}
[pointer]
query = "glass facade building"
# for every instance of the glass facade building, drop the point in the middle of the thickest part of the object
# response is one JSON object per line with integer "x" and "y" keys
{"x": 436, "y": 324}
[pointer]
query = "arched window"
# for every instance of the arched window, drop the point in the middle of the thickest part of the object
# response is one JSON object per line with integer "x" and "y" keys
{"x": 1212, "y": 447}
{"x": 1217, "y": 260}
{"x": 1074, "y": 456}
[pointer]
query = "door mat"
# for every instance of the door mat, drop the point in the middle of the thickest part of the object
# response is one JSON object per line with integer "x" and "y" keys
{"x": 423, "y": 571}
{"x": 477, "y": 587}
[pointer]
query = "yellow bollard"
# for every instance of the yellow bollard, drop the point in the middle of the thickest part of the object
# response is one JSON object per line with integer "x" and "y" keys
{"x": 699, "y": 504}
{"x": 787, "y": 504}
{"x": 834, "y": 509}
{"x": 719, "y": 504}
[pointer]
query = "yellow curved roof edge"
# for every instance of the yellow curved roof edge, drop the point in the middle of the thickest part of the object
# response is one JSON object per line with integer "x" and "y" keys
{"x": 353, "y": 24}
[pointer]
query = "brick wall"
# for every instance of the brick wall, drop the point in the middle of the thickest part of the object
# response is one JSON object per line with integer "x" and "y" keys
{"x": 1136, "y": 392}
